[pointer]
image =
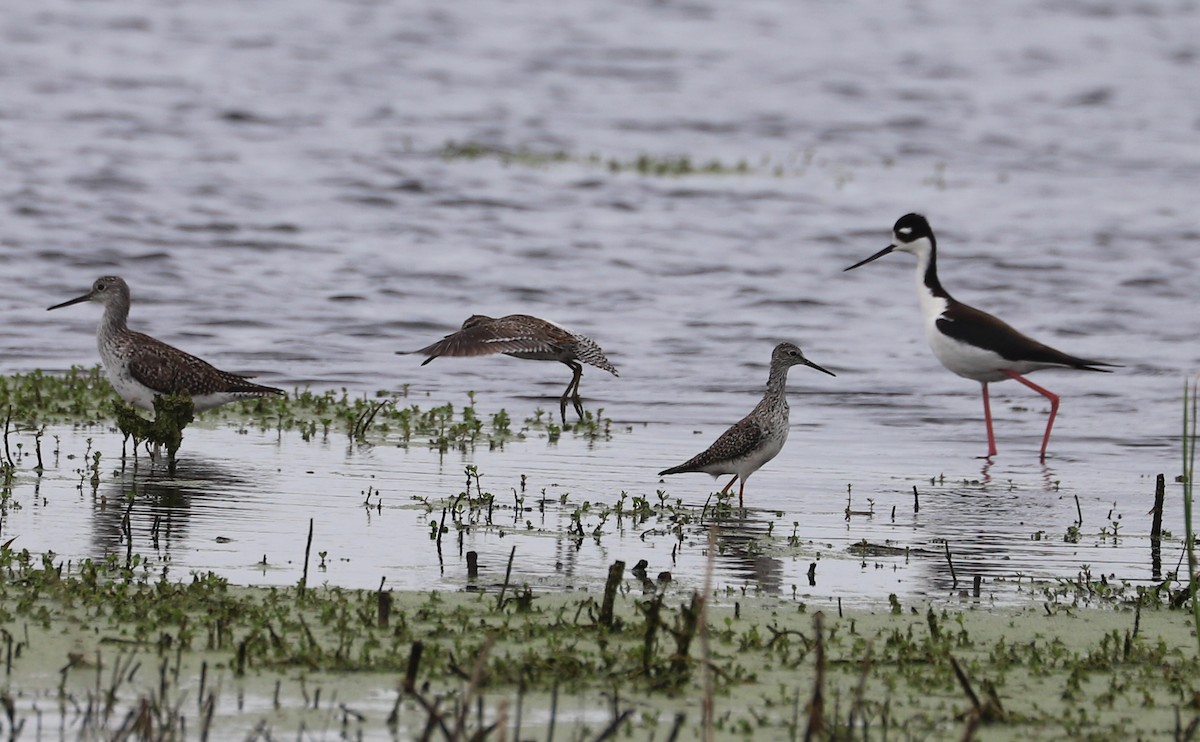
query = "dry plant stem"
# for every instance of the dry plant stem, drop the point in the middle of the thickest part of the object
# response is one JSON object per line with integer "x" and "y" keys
{"x": 1160, "y": 494}
{"x": 816, "y": 708}
{"x": 702, "y": 622}
{"x": 860, "y": 693}
{"x": 1189, "y": 470}
{"x": 507, "y": 575}
{"x": 307, "y": 552}
{"x": 953, "y": 577}
{"x": 966, "y": 685}
{"x": 615, "y": 573}
{"x": 611, "y": 730}
{"x": 460, "y": 727}
{"x": 676, "y": 726}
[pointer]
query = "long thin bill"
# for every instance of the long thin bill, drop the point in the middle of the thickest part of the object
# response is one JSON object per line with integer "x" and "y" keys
{"x": 823, "y": 370}
{"x": 76, "y": 300}
{"x": 876, "y": 256}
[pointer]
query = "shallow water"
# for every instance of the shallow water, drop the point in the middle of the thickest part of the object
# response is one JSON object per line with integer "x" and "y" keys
{"x": 268, "y": 179}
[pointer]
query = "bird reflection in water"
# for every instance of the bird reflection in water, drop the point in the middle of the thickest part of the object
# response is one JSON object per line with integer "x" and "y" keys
{"x": 739, "y": 551}
{"x": 143, "y": 508}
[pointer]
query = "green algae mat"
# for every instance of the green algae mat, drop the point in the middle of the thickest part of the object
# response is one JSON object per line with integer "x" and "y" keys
{"x": 110, "y": 650}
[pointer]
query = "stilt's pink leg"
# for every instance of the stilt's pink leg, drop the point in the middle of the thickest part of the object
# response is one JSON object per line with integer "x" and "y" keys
{"x": 1053, "y": 406}
{"x": 987, "y": 418}
{"x": 742, "y": 491}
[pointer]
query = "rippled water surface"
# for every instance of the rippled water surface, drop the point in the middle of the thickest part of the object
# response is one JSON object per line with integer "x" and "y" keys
{"x": 270, "y": 179}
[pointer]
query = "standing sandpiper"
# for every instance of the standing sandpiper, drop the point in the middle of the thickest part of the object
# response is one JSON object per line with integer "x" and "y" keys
{"x": 756, "y": 438}
{"x": 969, "y": 342}
{"x": 140, "y": 367}
{"x": 522, "y": 336}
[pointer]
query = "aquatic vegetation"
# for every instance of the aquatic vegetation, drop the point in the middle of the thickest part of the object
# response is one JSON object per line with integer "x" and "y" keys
{"x": 644, "y": 164}
{"x": 84, "y": 397}
{"x": 81, "y": 396}
{"x": 172, "y": 413}
{"x": 628, "y": 651}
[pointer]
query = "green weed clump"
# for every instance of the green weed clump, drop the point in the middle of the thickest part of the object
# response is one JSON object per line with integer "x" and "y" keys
{"x": 83, "y": 397}
{"x": 644, "y": 164}
{"x": 937, "y": 672}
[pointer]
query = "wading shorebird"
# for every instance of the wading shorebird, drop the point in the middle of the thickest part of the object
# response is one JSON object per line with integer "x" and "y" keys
{"x": 756, "y": 438}
{"x": 969, "y": 342}
{"x": 523, "y": 336}
{"x": 140, "y": 367}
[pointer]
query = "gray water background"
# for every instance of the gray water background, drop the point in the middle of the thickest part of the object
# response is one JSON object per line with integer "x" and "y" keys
{"x": 268, "y": 177}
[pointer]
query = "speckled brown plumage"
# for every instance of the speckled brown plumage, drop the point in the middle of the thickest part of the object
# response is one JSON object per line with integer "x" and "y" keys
{"x": 523, "y": 336}
{"x": 141, "y": 367}
{"x": 756, "y": 438}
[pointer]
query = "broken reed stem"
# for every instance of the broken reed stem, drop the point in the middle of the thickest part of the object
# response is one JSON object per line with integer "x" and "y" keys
{"x": 615, "y": 573}
{"x": 384, "y": 600}
{"x": 1078, "y": 513}
{"x": 676, "y": 726}
{"x": 966, "y": 684}
{"x": 856, "y": 708}
{"x": 507, "y": 576}
{"x": 553, "y": 710}
{"x": 611, "y": 730}
{"x": 1160, "y": 494}
{"x": 307, "y": 553}
{"x": 702, "y": 622}
{"x": 816, "y": 707}
{"x": 1189, "y": 470}
{"x": 473, "y": 685}
{"x": 414, "y": 663}
{"x": 916, "y": 500}
{"x": 653, "y": 612}
{"x": 953, "y": 577}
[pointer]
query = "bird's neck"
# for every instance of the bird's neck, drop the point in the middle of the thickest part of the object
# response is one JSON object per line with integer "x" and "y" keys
{"x": 777, "y": 381}
{"x": 114, "y": 320}
{"x": 933, "y": 297}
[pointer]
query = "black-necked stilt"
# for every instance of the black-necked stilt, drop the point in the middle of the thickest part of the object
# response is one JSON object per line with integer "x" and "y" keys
{"x": 140, "y": 367}
{"x": 756, "y": 438}
{"x": 971, "y": 343}
{"x": 523, "y": 336}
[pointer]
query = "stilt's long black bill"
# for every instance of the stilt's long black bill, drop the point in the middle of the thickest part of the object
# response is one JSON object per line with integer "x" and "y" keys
{"x": 876, "y": 256}
{"x": 824, "y": 370}
{"x": 76, "y": 300}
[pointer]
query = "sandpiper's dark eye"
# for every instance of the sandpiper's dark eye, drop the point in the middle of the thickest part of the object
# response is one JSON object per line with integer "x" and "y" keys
{"x": 100, "y": 286}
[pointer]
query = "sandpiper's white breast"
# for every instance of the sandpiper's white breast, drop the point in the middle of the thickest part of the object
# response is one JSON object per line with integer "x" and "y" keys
{"x": 116, "y": 368}
{"x": 769, "y": 449}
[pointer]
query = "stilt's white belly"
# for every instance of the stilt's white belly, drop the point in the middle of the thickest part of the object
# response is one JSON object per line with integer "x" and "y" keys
{"x": 973, "y": 362}
{"x": 966, "y": 360}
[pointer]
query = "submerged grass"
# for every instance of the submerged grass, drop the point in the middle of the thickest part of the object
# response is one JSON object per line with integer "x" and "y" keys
{"x": 644, "y": 164}
{"x": 83, "y": 397}
{"x": 123, "y": 647}
{"x": 279, "y": 659}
